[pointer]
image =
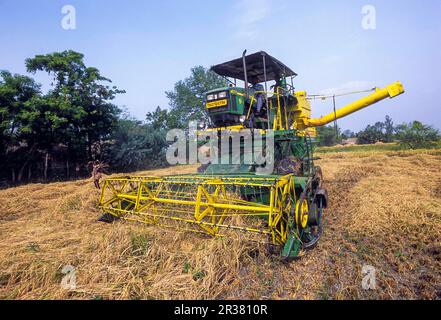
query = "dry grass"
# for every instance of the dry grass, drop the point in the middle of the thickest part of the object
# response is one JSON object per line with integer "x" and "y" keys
{"x": 385, "y": 212}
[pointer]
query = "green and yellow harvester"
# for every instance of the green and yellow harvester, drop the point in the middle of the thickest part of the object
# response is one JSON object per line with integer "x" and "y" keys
{"x": 232, "y": 195}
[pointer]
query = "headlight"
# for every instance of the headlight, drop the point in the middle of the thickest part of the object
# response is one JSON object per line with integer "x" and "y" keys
{"x": 222, "y": 95}
{"x": 242, "y": 119}
{"x": 211, "y": 97}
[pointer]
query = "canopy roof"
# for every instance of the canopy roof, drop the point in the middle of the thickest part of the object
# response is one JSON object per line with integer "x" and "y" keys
{"x": 274, "y": 68}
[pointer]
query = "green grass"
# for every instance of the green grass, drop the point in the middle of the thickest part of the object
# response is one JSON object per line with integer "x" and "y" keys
{"x": 140, "y": 244}
{"x": 369, "y": 148}
{"x": 187, "y": 267}
{"x": 198, "y": 275}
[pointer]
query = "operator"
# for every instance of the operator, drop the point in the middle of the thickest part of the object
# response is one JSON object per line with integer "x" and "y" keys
{"x": 260, "y": 98}
{"x": 97, "y": 173}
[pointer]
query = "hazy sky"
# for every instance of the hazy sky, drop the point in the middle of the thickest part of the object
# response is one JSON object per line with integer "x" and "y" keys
{"x": 146, "y": 46}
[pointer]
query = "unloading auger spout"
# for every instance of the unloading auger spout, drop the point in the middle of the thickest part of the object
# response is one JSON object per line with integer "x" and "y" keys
{"x": 391, "y": 91}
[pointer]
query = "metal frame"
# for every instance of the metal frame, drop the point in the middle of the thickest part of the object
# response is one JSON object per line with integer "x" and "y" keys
{"x": 207, "y": 204}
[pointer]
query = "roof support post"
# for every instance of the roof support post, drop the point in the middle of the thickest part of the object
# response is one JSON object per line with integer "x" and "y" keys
{"x": 266, "y": 89}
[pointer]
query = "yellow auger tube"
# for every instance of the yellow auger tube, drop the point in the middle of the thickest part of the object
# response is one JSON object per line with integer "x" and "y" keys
{"x": 390, "y": 91}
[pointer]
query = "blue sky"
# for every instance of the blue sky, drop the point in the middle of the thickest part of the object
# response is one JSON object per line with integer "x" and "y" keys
{"x": 146, "y": 46}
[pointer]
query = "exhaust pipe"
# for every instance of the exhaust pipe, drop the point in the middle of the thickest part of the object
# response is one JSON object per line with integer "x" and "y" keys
{"x": 244, "y": 62}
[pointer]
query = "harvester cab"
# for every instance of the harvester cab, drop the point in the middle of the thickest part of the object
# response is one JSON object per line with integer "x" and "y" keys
{"x": 282, "y": 207}
{"x": 281, "y": 108}
{"x": 250, "y": 106}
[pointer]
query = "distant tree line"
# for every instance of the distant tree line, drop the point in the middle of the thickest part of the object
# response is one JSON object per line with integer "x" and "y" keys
{"x": 412, "y": 135}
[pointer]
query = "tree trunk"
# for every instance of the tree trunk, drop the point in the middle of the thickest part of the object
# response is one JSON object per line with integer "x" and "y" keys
{"x": 28, "y": 160}
{"x": 20, "y": 172}
{"x": 13, "y": 175}
{"x": 67, "y": 168}
{"x": 29, "y": 172}
{"x": 46, "y": 160}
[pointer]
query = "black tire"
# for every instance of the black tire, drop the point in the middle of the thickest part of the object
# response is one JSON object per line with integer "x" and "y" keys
{"x": 318, "y": 177}
{"x": 107, "y": 218}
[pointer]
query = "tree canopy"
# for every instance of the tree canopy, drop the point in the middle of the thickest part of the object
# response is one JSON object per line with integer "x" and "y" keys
{"x": 328, "y": 136}
{"x": 379, "y": 132}
{"x": 62, "y": 125}
{"x": 417, "y": 135}
{"x": 187, "y": 97}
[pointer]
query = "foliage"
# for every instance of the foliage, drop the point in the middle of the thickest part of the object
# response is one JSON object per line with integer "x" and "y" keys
{"x": 347, "y": 134}
{"x": 186, "y": 99}
{"x": 417, "y": 135}
{"x": 412, "y": 135}
{"x": 135, "y": 146}
{"x": 67, "y": 124}
{"x": 389, "y": 129}
{"x": 327, "y": 136}
{"x": 159, "y": 119}
{"x": 372, "y": 134}
{"x": 79, "y": 100}
{"x": 16, "y": 140}
{"x": 379, "y": 132}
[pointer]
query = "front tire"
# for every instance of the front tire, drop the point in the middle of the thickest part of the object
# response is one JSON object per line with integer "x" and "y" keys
{"x": 309, "y": 221}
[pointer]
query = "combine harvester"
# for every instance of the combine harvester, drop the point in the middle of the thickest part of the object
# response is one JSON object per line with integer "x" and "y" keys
{"x": 232, "y": 197}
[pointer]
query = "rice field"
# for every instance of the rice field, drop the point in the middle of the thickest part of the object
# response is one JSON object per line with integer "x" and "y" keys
{"x": 385, "y": 212}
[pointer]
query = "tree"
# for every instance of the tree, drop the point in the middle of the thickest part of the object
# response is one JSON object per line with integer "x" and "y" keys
{"x": 15, "y": 91}
{"x": 347, "y": 134}
{"x": 158, "y": 119}
{"x": 327, "y": 136}
{"x": 67, "y": 124}
{"x": 372, "y": 134}
{"x": 186, "y": 100}
{"x": 381, "y": 131}
{"x": 135, "y": 146}
{"x": 77, "y": 110}
{"x": 389, "y": 129}
{"x": 417, "y": 135}
{"x": 16, "y": 150}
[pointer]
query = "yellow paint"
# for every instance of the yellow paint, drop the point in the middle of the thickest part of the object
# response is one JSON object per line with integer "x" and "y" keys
{"x": 215, "y": 104}
{"x": 298, "y": 116}
{"x": 201, "y": 201}
{"x": 302, "y": 210}
{"x": 390, "y": 91}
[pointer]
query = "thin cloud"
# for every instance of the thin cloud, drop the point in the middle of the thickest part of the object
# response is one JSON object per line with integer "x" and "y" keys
{"x": 347, "y": 88}
{"x": 251, "y": 13}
